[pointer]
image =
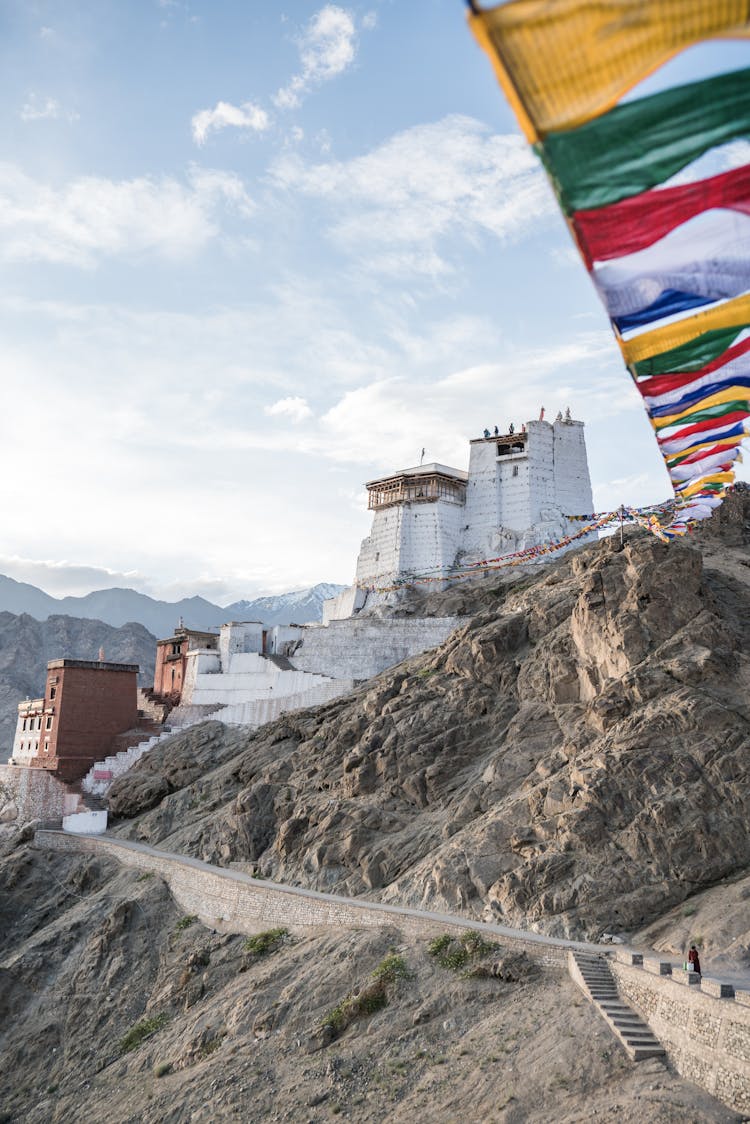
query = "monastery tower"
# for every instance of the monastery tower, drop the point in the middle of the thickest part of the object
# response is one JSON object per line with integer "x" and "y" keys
{"x": 518, "y": 490}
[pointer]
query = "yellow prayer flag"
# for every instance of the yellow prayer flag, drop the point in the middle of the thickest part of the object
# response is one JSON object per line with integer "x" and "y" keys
{"x": 699, "y": 485}
{"x": 563, "y": 63}
{"x": 721, "y": 398}
{"x": 729, "y": 314}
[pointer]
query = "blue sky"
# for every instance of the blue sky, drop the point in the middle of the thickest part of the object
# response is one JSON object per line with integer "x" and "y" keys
{"x": 252, "y": 255}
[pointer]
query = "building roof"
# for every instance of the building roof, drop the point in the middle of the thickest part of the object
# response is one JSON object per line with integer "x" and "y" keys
{"x": 431, "y": 469}
{"x": 94, "y": 665}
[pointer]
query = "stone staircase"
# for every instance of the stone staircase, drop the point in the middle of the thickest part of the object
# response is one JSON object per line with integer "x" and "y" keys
{"x": 102, "y": 773}
{"x": 594, "y": 978}
{"x": 282, "y": 662}
{"x": 152, "y": 706}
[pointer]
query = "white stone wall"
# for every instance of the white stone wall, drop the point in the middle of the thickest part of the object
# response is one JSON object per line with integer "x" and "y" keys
{"x": 513, "y": 476}
{"x": 482, "y": 514}
{"x": 541, "y": 484}
{"x": 285, "y": 636}
{"x": 86, "y": 823}
{"x": 249, "y": 677}
{"x": 572, "y": 481}
{"x": 380, "y": 552}
{"x": 364, "y": 646}
{"x": 410, "y": 538}
{"x": 349, "y": 602}
{"x": 198, "y": 661}
{"x": 259, "y": 711}
{"x": 243, "y": 636}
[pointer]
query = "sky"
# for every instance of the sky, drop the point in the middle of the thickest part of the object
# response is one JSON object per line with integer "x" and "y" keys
{"x": 253, "y": 255}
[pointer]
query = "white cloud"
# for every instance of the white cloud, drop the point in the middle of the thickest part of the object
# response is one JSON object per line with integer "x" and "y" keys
{"x": 89, "y": 217}
{"x": 62, "y": 578}
{"x": 224, "y": 114}
{"x": 296, "y": 409}
{"x": 370, "y": 21}
{"x": 327, "y": 48}
{"x": 41, "y": 109}
{"x": 429, "y": 182}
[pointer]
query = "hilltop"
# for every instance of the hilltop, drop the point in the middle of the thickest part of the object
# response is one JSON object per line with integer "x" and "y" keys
{"x": 575, "y": 759}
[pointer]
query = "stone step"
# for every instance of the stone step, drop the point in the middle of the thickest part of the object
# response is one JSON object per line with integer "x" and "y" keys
{"x": 635, "y": 1035}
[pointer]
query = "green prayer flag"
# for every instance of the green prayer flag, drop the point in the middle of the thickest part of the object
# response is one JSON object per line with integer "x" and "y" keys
{"x": 640, "y": 144}
{"x": 691, "y": 356}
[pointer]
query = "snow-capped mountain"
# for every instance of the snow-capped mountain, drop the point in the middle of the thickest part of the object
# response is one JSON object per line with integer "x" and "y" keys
{"x": 299, "y": 607}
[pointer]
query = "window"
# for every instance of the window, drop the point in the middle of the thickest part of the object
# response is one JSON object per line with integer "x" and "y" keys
{"x": 39, "y": 722}
{"x": 46, "y": 746}
{"x": 52, "y": 692}
{"x": 515, "y": 470}
{"x": 49, "y": 722}
{"x": 24, "y": 724}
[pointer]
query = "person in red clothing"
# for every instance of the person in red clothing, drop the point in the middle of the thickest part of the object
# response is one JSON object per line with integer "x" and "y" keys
{"x": 693, "y": 959}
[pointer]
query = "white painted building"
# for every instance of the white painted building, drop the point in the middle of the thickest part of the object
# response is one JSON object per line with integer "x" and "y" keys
{"x": 517, "y": 493}
{"x": 31, "y": 718}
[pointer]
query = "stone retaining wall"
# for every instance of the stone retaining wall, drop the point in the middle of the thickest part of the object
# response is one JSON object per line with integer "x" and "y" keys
{"x": 362, "y": 647}
{"x": 232, "y": 901}
{"x": 33, "y": 794}
{"x": 707, "y": 1040}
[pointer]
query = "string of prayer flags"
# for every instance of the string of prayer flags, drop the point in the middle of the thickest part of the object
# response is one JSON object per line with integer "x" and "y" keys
{"x": 656, "y": 192}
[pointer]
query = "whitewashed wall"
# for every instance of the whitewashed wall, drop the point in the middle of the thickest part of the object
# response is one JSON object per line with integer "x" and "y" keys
{"x": 572, "y": 480}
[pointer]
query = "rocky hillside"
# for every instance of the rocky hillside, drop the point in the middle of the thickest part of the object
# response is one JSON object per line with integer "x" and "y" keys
{"x": 576, "y": 759}
{"x": 117, "y": 1009}
{"x": 27, "y": 644}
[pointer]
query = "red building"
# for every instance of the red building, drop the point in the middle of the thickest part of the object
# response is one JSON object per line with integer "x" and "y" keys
{"x": 85, "y": 706}
{"x": 169, "y": 673}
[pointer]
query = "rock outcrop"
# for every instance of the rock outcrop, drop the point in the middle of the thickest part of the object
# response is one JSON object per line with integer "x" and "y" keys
{"x": 576, "y": 758}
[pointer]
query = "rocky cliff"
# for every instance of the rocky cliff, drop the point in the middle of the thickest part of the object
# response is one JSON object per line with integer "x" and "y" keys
{"x": 576, "y": 758}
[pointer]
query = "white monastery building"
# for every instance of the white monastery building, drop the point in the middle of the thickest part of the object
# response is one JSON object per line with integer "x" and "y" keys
{"x": 427, "y": 520}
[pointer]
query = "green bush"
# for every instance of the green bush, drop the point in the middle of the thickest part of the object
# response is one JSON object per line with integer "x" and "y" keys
{"x": 161, "y": 1069}
{"x": 264, "y": 943}
{"x": 437, "y": 946}
{"x": 456, "y": 953}
{"x": 391, "y": 969}
{"x": 186, "y": 921}
{"x": 137, "y": 1034}
{"x": 372, "y": 998}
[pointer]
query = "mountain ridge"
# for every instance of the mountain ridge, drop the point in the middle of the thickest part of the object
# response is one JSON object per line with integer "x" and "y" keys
{"x": 119, "y": 606}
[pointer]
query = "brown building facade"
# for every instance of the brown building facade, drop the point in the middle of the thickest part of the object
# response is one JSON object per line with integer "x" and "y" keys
{"x": 86, "y": 705}
{"x": 169, "y": 672}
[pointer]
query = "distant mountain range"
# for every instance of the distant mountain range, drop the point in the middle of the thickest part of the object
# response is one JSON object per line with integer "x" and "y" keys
{"x": 118, "y": 607}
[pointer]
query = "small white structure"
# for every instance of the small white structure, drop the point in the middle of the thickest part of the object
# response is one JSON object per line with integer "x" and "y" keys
{"x": 518, "y": 491}
{"x": 86, "y": 823}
